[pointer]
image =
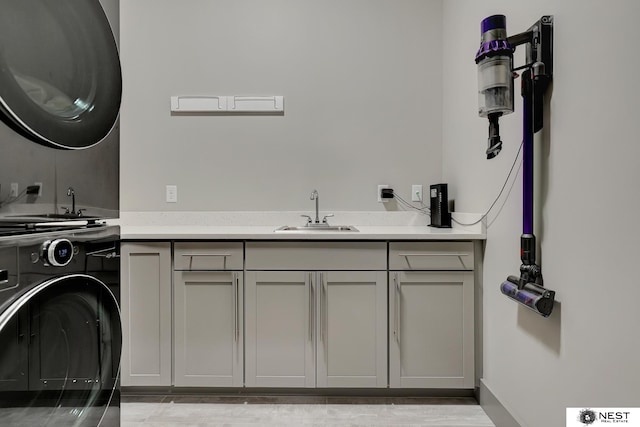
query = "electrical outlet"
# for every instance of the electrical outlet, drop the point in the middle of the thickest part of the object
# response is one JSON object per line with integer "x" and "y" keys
{"x": 172, "y": 194}
{"x": 380, "y": 199}
{"x": 416, "y": 193}
{"x": 14, "y": 190}
{"x": 39, "y": 184}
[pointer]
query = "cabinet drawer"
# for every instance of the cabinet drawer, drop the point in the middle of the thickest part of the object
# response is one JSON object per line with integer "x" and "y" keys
{"x": 208, "y": 256}
{"x": 316, "y": 256}
{"x": 431, "y": 256}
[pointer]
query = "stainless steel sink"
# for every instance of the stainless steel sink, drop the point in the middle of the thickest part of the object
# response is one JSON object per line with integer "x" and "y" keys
{"x": 316, "y": 228}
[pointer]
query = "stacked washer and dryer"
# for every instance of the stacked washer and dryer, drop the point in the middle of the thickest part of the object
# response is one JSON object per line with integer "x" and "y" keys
{"x": 60, "y": 331}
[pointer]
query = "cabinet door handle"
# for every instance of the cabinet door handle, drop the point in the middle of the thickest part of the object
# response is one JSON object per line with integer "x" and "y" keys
{"x": 325, "y": 311}
{"x": 234, "y": 290}
{"x": 311, "y": 298}
{"x": 395, "y": 305}
{"x": 191, "y": 256}
{"x": 436, "y": 254}
{"x": 398, "y": 306}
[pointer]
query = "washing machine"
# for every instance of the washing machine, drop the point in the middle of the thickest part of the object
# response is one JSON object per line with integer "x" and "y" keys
{"x": 60, "y": 331}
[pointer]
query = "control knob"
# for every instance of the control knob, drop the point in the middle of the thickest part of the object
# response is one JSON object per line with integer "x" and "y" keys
{"x": 57, "y": 253}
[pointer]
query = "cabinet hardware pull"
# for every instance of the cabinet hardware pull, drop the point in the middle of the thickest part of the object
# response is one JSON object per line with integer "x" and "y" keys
{"x": 235, "y": 306}
{"x": 459, "y": 255}
{"x": 224, "y": 265}
{"x": 325, "y": 318}
{"x": 395, "y": 305}
{"x": 311, "y": 307}
{"x": 398, "y": 306}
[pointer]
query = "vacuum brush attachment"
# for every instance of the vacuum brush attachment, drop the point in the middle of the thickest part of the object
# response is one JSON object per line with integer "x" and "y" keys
{"x": 531, "y": 295}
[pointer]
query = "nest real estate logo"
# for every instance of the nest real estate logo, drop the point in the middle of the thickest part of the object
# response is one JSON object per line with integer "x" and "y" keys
{"x": 581, "y": 417}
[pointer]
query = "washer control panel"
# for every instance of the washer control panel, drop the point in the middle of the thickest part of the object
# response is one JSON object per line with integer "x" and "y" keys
{"x": 57, "y": 253}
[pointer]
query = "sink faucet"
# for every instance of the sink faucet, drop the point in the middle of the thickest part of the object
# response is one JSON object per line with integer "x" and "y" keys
{"x": 316, "y": 197}
{"x": 310, "y": 221}
{"x": 71, "y": 193}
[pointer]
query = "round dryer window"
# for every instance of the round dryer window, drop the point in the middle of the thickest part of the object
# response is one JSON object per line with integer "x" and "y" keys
{"x": 60, "y": 78}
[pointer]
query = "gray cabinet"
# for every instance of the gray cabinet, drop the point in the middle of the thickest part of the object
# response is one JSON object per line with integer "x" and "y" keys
{"x": 208, "y": 315}
{"x": 322, "y": 326}
{"x": 298, "y": 314}
{"x": 431, "y": 315}
{"x": 146, "y": 314}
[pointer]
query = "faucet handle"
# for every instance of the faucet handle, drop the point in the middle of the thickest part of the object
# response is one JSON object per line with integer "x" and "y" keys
{"x": 324, "y": 218}
{"x": 66, "y": 209}
{"x": 309, "y": 220}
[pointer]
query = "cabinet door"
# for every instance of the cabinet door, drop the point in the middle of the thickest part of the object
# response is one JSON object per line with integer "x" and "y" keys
{"x": 208, "y": 325}
{"x": 352, "y": 329}
{"x": 279, "y": 345}
{"x": 431, "y": 330}
{"x": 146, "y": 314}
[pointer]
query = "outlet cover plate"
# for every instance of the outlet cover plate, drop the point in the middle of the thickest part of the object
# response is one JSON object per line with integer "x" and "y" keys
{"x": 380, "y": 199}
{"x": 171, "y": 194}
{"x": 416, "y": 193}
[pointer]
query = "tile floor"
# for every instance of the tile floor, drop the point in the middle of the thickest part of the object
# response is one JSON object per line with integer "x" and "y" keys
{"x": 306, "y": 411}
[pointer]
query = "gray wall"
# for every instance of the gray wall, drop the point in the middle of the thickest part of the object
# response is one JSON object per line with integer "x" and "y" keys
{"x": 586, "y": 353}
{"x": 363, "y": 102}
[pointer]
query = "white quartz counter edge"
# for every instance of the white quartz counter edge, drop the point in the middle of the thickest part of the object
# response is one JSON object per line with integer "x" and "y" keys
{"x": 199, "y": 232}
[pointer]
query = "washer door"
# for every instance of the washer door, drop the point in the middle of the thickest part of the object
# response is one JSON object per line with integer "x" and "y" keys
{"x": 60, "y": 79}
{"x": 70, "y": 375}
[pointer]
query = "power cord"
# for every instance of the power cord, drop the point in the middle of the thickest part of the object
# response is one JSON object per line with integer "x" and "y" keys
{"x": 409, "y": 205}
{"x": 506, "y": 181}
{"x": 11, "y": 199}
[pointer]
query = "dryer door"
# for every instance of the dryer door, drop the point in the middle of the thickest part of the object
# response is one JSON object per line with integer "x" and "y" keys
{"x": 74, "y": 341}
{"x": 60, "y": 79}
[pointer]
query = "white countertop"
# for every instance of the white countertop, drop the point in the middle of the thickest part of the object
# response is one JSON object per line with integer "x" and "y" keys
{"x": 262, "y": 226}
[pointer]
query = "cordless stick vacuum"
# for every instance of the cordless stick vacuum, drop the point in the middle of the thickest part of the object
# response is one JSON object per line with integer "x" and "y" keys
{"x": 495, "y": 88}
